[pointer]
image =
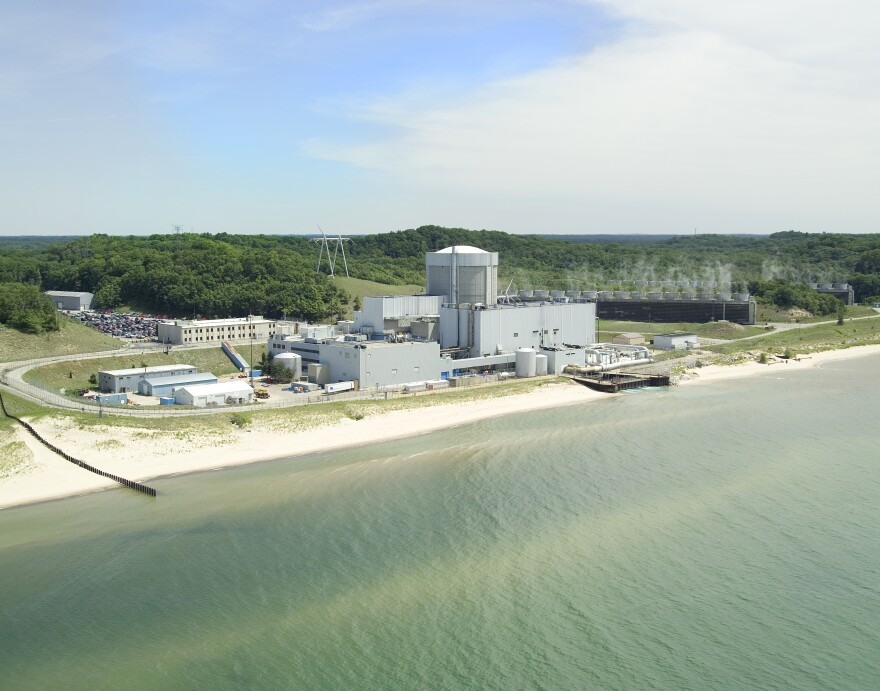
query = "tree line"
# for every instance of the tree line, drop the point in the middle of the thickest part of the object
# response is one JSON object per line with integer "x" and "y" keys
{"x": 220, "y": 275}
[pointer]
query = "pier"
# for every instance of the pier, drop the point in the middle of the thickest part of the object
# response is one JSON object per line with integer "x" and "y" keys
{"x": 614, "y": 382}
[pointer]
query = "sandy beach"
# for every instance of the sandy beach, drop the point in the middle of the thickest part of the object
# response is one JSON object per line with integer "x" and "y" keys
{"x": 143, "y": 453}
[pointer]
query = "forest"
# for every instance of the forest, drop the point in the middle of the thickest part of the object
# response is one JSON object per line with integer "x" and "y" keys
{"x": 220, "y": 275}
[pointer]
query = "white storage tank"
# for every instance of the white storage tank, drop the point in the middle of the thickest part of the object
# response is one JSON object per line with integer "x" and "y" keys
{"x": 541, "y": 365}
{"x": 525, "y": 362}
{"x": 292, "y": 362}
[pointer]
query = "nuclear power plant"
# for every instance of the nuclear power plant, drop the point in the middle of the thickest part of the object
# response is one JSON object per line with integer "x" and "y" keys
{"x": 457, "y": 328}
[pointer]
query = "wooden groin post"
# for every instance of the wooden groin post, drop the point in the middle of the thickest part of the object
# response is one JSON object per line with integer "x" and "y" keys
{"x": 137, "y": 486}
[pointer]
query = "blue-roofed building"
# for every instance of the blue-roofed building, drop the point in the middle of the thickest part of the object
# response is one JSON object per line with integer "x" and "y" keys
{"x": 166, "y": 386}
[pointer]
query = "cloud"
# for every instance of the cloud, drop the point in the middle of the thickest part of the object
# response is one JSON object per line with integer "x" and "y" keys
{"x": 695, "y": 110}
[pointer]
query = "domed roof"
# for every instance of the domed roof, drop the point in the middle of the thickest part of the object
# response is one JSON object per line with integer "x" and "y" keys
{"x": 462, "y": 249}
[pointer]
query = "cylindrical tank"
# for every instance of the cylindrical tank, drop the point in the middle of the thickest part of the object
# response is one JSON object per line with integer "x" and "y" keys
{"x": 722, "y": 297}
{"x": 464, "y": 274}
{"x": 525, "y": 362}
{"x": 589, "y": 294}
{"x": 525, "y": 294}
{"x": 655, "y": 296}
{"x": 541, "y": 365}
{"x": 825, "y": 286}
{"x": 642, "y": 284}
{"x": 621, "y": 294}
{"x": 742, "y": 297}
{"x": 573, "y": 293}
{"x": 557, "y": 294}
{"x": 292, "y": 362}
{"x": 670, "y": 296}
{"x": 707, "y": 296}
{"x": 635, "y": 296}
{"x": 841, "y": 286}
{"x": 542, "y": 294}
{"x": 682, "y": 284}
{"x": 605, "y": 295}
{"x": 813, "y": 285}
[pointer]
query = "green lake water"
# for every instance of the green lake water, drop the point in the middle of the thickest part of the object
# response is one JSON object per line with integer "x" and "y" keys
{"x": 709, "y": 537}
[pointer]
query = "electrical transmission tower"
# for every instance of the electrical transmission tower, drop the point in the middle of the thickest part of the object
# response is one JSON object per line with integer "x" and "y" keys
{"x": 339, "y": 248}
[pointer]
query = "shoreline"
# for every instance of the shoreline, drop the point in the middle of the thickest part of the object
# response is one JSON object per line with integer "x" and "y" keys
{"x": 145, "y": 454}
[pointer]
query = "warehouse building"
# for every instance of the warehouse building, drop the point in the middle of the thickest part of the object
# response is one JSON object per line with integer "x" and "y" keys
{"x": 181, "y": 331}
{"x": 128, "y": 380}
{"x": 676, "y": 341}
{"x": 71, "y": 301}
{"x": 166, "y": 386}
{"x": 221, "y": 393}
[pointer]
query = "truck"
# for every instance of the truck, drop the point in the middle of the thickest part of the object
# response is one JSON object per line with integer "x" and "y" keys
{"x": 262, "y": 393}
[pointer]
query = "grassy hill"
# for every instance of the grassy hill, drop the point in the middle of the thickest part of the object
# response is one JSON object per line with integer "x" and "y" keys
{"x": 72, "y": 338}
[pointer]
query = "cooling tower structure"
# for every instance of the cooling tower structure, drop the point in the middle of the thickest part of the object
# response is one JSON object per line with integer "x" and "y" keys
{"x": 465, "y": 275}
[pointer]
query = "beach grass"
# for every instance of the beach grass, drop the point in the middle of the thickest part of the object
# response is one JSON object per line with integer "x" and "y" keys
{"x": 304, "y": 417}
{"x": 810, "y": 338}
{"x": 72, "y": 338}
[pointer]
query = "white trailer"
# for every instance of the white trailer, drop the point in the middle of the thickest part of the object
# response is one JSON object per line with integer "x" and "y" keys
{"x": 339, "y": 387}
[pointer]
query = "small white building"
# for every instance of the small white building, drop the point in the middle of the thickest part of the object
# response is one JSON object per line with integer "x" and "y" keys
{"x": 676, "y": 341}
{"x": 221, "y": 393}
{"x": 628, "y": 338}
{"x": 70, "y": 300}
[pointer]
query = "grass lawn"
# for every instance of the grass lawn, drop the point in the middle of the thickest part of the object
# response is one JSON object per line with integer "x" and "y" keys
{"x": 358, "y": 287}
{"x": 721, "y": 330}
{"x": 72, "y": 338}
{"x": 74, "y": 375}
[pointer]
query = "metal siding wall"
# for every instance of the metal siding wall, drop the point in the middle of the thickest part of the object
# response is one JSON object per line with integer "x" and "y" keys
{"x": 448, "y": 327}
{"x": 403, "y": 358}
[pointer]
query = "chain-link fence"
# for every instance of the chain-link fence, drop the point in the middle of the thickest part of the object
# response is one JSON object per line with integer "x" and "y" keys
{"x": 11, "y": 376}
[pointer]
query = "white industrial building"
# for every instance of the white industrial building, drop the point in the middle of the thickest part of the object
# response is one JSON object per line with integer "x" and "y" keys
{"x": 72, "y": 301}
{"x": 128, "y": 380}
{"x": 184, "y": 331}
{"x": 221, "y": 393}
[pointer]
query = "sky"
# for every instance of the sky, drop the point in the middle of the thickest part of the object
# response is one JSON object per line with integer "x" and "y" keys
{"x": 526, "y": 116}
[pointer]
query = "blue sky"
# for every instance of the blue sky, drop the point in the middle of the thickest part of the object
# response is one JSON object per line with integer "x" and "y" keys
{"x": 569, "y": 116}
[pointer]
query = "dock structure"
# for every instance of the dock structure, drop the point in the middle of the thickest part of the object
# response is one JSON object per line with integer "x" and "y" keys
{"x": 131, "y": 484}
{"x": 614, "y": 382}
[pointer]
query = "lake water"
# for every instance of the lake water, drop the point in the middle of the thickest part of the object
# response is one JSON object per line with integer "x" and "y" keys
{"x": 723, "y": 536}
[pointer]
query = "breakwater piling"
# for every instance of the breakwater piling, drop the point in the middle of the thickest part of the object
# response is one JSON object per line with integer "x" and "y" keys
{"x": 131, "y": 484}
